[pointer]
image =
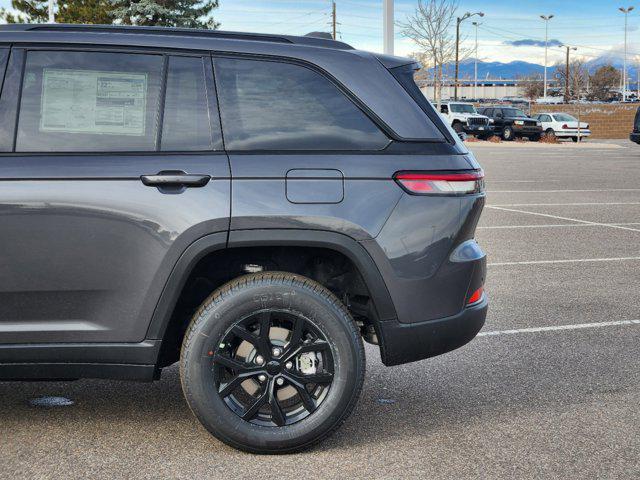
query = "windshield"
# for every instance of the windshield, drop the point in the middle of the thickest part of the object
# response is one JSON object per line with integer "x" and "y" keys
{"x": 514, "y": 112}
{"x": 563, "y": 117}
{"x": 462, "y": 108}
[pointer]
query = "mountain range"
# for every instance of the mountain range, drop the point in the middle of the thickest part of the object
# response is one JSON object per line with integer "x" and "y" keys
{"x": 519, "y": 69}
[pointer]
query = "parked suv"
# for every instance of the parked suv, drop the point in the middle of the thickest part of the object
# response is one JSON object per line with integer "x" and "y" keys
{"x": 510, "y": 123}
{"x": 634, "y": 136}
{"x": 463, "y": 117}
{"x": 250, "y": 206}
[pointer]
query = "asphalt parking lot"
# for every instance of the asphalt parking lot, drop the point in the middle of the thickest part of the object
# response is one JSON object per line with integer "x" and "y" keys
{"x": 551, "y": 388}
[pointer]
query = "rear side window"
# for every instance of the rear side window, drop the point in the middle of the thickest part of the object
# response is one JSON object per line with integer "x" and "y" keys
{"x": 89, "y": 102}
{"x": 186, "y": 125}
{"x": 268, "y": 105}
{"x": 4, "y": 56}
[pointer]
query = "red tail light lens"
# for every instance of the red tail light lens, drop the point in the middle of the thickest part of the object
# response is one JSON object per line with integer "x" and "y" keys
{"x": 425, "y": 183}
{"x": 565, "y": 126}
{"x": 476, "y": 296}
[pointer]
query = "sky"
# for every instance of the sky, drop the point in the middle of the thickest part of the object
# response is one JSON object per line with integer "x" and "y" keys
{"x": 511, "y": 29}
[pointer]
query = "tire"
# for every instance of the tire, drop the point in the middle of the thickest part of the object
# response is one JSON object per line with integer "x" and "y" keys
{"x": 549, "y": 133}
{"x": 222, "y": 327}
{"x": 507, "y": 134}
{"x": 574, "y": 139}
{"x": 457, "y": 126}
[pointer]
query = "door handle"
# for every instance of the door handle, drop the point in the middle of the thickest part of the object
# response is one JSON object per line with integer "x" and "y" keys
{"x": 175, "y": 179}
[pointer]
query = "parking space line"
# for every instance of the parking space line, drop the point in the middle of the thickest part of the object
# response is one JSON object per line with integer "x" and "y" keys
{"x": 557, "y": 217}
{"x": 577, "y": 326}
{"x": 569, "y": 260}
{"x": 574, "y": 204}
{"x": 553, "y": 225}
{"x": 568, "y": 191}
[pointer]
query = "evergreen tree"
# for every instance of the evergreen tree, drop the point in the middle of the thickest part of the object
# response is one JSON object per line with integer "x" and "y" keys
{"x": 168, "y": 13}
{"x": 71, "y": 11}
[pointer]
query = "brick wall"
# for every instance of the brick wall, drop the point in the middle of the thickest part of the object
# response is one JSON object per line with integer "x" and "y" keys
{"x": 607, "y": 120}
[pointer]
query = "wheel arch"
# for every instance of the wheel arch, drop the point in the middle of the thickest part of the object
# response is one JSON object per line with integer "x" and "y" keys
{"x": 217, "y": 244}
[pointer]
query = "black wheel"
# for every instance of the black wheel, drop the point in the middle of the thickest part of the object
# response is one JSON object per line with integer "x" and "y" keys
{"x": 272, "y": 363}
{"x": 507, "y": 134}
{"x": 550, "y": 133}
{"x": 574, "y": 139}
{"x": 457, "y": 126}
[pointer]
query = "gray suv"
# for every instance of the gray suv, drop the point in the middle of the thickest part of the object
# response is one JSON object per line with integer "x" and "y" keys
{"x": 250, "y": 206}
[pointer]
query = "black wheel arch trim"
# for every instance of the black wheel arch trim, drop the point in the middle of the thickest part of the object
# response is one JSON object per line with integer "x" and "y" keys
{"x": 270, "y": 237}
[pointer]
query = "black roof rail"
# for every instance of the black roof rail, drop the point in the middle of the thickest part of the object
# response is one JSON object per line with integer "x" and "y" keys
{"x": 259, "y": 37}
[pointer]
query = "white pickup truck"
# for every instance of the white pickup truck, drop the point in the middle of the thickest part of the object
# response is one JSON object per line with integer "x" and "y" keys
{"x": 463, "y": 117}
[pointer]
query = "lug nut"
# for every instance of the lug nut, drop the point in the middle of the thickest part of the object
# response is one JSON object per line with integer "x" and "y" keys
{"x": 288, "y": 365}
{"x": 259, "y": 360}
{"x": 262, "y": 378}
{"x": 280, "y": 381}
{"x": 276, "y": 352}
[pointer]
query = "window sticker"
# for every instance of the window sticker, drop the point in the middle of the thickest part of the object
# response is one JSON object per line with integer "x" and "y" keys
{"x": 90, "y": 101}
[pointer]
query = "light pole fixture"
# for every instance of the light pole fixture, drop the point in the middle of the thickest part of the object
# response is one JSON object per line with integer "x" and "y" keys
{"x": 459, "y": 20}
{"x": 546, "y": 19}
{"x": 475, "y": 64}
{"x": 624, "y": 60}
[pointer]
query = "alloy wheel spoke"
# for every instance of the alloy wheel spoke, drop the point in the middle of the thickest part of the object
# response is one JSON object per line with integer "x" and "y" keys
{"x": 232, "y": 363}
{"x": 321, "y": 378}
{"x": 245, "y": 334}
{"x": 306, "y": 399}
{"x": 317, "y": 346}
{"x": 296, "y": 336}
{"x": 253, "y": 409}
{"x": 235, "y": 382}
{"x": 277, "y": 415}
{"x": 264, "y": 343}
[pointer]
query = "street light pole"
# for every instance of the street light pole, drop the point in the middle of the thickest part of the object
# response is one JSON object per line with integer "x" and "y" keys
{"x": 546, "y": 19}
{"x": 624, "y": 61}
{"x": 52, "y": 18}
{"x": 475, "y": 65}
{"x": 459, "y": 20}
{"x": 387, "y": 20}
{"x": 566, "y": 75}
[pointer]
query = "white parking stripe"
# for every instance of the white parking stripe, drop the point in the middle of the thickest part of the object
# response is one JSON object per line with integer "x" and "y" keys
{"x": 568, "y": 191}
{"x": 575, "y": 204}
{"x": 495, "y": 207}
{"x": 570, "y": 260}
{"x": 577, "y": 326}
{"x": 553, "y": 225}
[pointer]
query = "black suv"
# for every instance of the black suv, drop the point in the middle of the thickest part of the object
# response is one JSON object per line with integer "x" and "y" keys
{"x": 251, "y": 206}
{"x": 510, "y": 122}
{"x": 634, "y": 136}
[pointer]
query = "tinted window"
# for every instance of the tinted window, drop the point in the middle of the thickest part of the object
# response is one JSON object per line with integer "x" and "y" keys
{"x": 488, "y": 112}
{"x": 279, "y": 106}
{"x": 9, "y": 99}
{"x": 186, "y": 124}
{"x": 4, "y": 56}
{"x": 444, "y": 109}
{"x": 88, "y": 102}
{"x": 513, "y": 112}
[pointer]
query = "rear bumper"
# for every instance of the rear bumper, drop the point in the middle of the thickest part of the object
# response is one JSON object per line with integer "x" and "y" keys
{"x": 572, "y": 133}
{"x": 409, "y": 342}
{"x": 635, "y": 137}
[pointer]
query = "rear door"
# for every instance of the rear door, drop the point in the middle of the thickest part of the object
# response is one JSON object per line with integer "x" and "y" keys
{"x": 112, "y": 165}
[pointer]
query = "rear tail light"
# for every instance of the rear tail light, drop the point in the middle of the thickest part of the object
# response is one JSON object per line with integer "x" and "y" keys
{"x": 425, "y": 183}
{"x": 565, "y": 126}
{"x": 475, "y": 296}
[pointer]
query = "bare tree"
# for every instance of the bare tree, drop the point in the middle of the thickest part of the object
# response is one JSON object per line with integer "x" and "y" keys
{"x": 578, "y": 78}
{"x": 533, "y": 87}
{"x": 603, "y": 82}
{"x": 430, "y": 27}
